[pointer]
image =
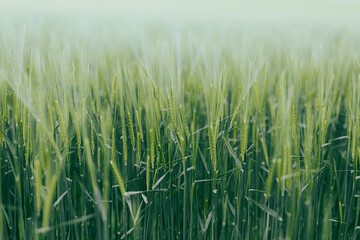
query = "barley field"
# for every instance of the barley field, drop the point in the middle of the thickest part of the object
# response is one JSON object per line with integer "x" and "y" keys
{"x": 153, "y": 125}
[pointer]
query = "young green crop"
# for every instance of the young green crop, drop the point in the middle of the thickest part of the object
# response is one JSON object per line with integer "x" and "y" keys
{"x": 164, "y": 134}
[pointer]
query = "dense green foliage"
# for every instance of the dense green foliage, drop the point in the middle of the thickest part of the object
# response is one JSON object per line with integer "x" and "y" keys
{"x": 108, "y": 133}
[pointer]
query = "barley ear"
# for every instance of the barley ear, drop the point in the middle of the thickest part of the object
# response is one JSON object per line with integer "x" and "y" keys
{"x": 269, "y": 179}
{"x": 118, "y": 178}
{"x": 131, "y": 131}
{"x": 138, "y": 120}
{"x": 152, "y": 147}
{"x": 138, "y": 149}
{"x": 265, "y": 151}
{"x": 244, "y": 139}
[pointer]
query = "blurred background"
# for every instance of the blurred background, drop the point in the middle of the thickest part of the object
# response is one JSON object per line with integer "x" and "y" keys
{"x": 175, "y": 12}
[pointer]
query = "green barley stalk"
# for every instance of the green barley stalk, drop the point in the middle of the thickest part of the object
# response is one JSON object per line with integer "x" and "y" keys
{"x": 113, "y": 146}
{"x": 340, "y": 212}
{"x": 235, "y": 114}
{"x": 171, "y": 113}
{"x": 16, "y": 110}
{"x": 205, "y": 208}
{"x": 38, "y": 185}
{"x": 51, "y": 117}
{"x": 192, "y": 195}
{"x": 1, "y": 129}
{"x": 157, "y": 102}
{"x": 263, "y": 144}
{"x": 138, "y": 149}
{"x": 193, "y": 122}
{"x": 184, "y": 122}
{"x": 51, "y": 187}
{"x": 173, "y": 109}
{"x": 235, "y": 133}
{"x": 138, "y": 120}
{"x": 254, "y": 136}
{"x": 170, "y": 150}
{"x": 152, "y": 147}
{"x": 27, "y": 143}
{"x": 257, "y": 95}
{"x": 195, "y": 144}
{"x": 288, "y": 167}
{"x": 281, "y": 173}
{"x": 183, "y": 149}
{"x": 25, "y": 124}
{"x": 221, "y": 106}
{"x": 103, "y": 130}
{"x": 99, "y": 159}
{"x": 269, "y": 179}
{"x": 92, "y": 141}
{"x": 293, "y": 121}
{"x": 125, "y": 156}
{"x": 131, "y": 131}
{"x": 354, "y": 142}
{"x": 148, "y": 172}
{"x": 237, "y": 204}
{"x": 124, "y": 137}
{"x": 4, "y": 128}
{"x": 244, "y": 139}
{"x": 212, "y": 143}
{"x": 6, "y": 109}
{"x": 90, "y": 164}
{"x": 162, "y": 157}
{"x": 216, "y": 129}
{"x": 323, "y": 126}
{"x": 349, "y": 138}
{"x": 355, "y": 168}
{"x": 78, "y": 137}
{"x": 113, "y": 90}
{"x": 20, "y": 131}
{"x": 118, "y": 178}
{"x": 63, "y": 133}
